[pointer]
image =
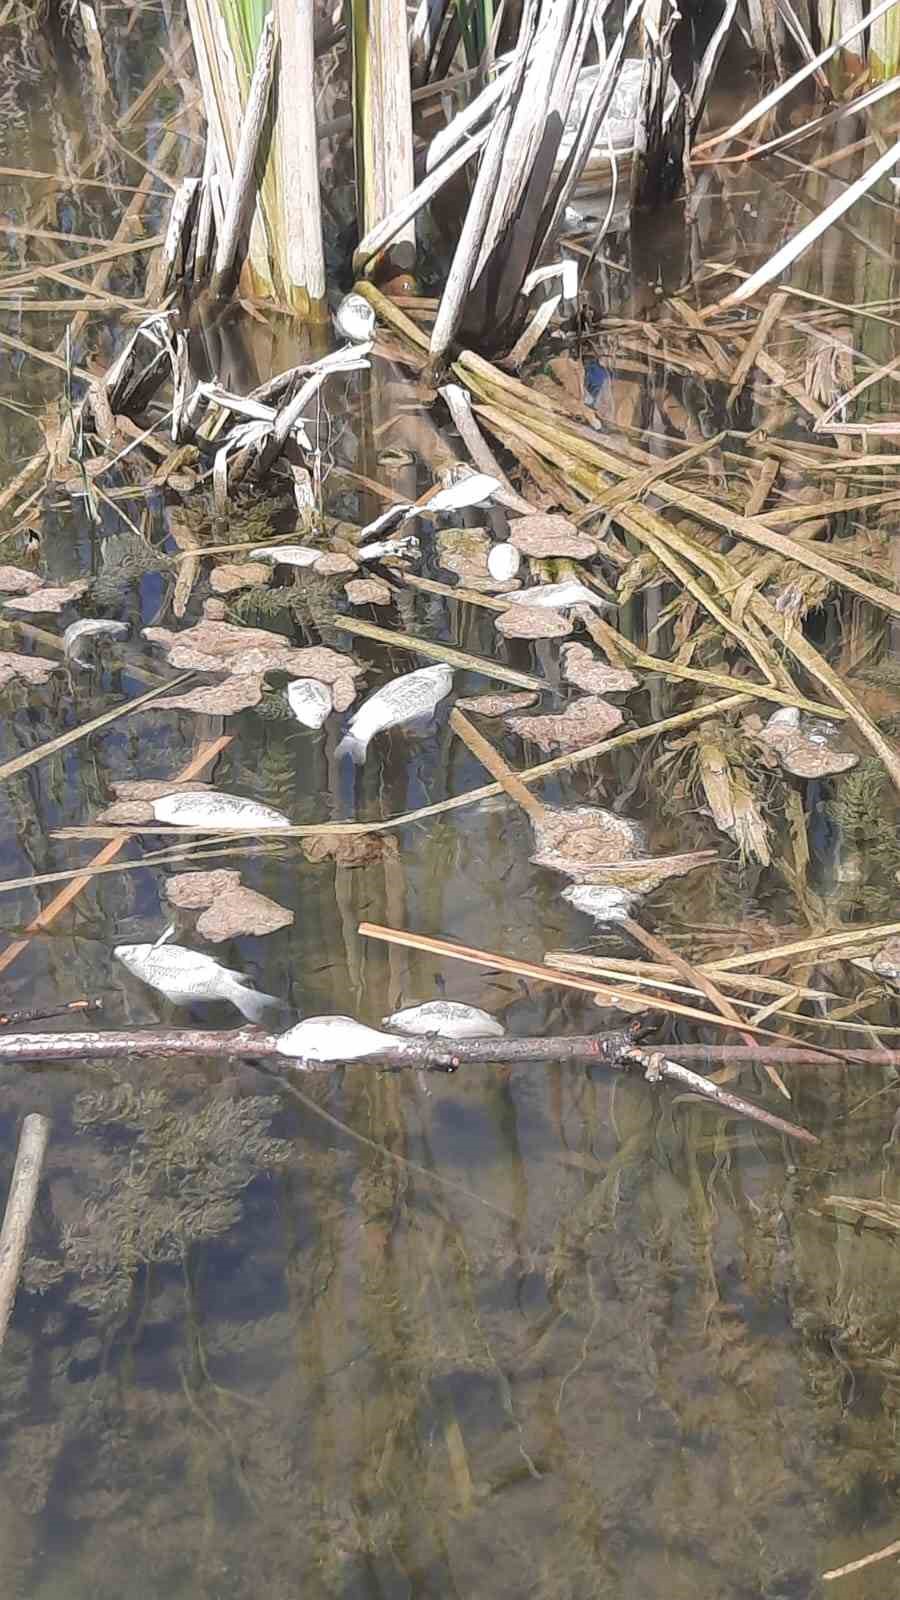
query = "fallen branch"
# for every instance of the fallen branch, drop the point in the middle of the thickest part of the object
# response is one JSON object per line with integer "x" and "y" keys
{"x": 19, "y": 1209}
{"x": 614, "y": 1050}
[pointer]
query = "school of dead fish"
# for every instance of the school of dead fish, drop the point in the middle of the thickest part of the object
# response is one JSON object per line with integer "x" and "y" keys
{"x": 606, "y": 892}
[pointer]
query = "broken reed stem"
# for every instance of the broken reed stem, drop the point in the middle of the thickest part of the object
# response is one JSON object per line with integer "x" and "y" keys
{"x": 614, "y": 1050}
{"x": 242, "y": 192}
{"x": 20, "y": 1209}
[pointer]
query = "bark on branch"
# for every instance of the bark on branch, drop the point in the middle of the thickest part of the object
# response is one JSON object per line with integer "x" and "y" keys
{"x": 616, "y": 1050}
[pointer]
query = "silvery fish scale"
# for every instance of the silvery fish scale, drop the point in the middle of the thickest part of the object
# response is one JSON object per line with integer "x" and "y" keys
{"x": 84, "y": 629}
{"x": 215, "y": 810}
{"x": 333, "y": 1039}
{"x": 406, "y": 699}
{"x": 449, "y": 1019}
{"x": 310, "y": 701}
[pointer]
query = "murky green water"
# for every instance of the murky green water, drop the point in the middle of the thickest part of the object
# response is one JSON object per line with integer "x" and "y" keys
{"x": 536, "y": 1331}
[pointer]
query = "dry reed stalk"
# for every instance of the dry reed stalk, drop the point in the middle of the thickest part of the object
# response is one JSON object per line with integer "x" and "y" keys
{"x": 204, "y": 758}
{"x": 20, "y": 1203}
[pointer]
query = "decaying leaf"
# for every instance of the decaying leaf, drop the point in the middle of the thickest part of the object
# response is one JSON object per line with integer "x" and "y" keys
{"x": 581, "y": 723}
{"x": 576, "y": 839}
{"x": 804, "y": 749}
{"x": 367, "y": 592}
{"x": 191, "y": 891}
{"x": 586, "y": 671}
{"x": 496, "y": 705}
{"x": 49, "y": 600}
{"x": 544, "y": 534}
{"x": 217, "y": 646}
{"x": 343, "y": 693}
{"x": 333, "y": 565}
{"x": 15, "y": 580}
{"x": 217, "y": 699}
{"x": 230, "y": 908}
{"x": 234, "y": 575}
{"x": 350, "y": 849}
{"x": 26, "y": 669}
{"x": 531, "y": 622}
{"x": 242, "y": 910}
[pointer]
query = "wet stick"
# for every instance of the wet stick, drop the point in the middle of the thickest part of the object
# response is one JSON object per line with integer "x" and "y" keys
{"x": 700, "y": 980}
{"x": 437, "y": 652}
{"x": 613, "y": 1050}
{"x": 546, "y": 974}
{"x": 497, "y": 767}
{"x": 20, "y": 1205}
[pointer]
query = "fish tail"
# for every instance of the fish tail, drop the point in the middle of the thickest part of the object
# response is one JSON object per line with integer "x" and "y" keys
{"x": 353, "y": 746}
{"x": 252, "y": 1004}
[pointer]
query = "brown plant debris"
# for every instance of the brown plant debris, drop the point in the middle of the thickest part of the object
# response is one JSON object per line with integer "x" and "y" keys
{"x": 730, "y": 798}
{"x": 531, "y": 622}
{"x": 586, "y": 671}
{"x": 804, "y": 752}
{"x": 581, "y": 723}
{"x": 217, "y": 699}
{"x": 233, "y": 575}
{"x": 239, "y": 911}
{"x": 351, "y": 849}
{"x": 545, "y": 534}
{"x": 214, "y": 610}
{"x": 25, "y": 669}
{"x": 229, "y": 907}
{"x": 367, "y": 592}
{"x": 192, "y": 891}
{"x": 15, "y": 580}
{"x": 576, "y": 839}
{"x": 497, "y": 705}
{"x": 49, "y": 600}
{"x": 343, "y": 693}
{"x": 218, "y": 646}
{"x": 334, "y": 565}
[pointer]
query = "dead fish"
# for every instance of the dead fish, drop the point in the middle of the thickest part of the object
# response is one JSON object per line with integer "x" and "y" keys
{"x": 185, "y": 976}
{"x": 82, "y": 630}
{"x": 604, "y": 905}
{"x": 557, "y": 596}
{"x": 411, "y": 698}
{"x": 333, "y": 1039}
{"x": 290, "y": 555}
{"x": 310, "y": 701}
{"x": 450, "y": 1019}
{"x": 408, "y": 545}
{"x": 472, "y": 490}
{"x": 354, "y": 319}
{"x": 394, "y": 517}
{"x": 503, "y": 562}
{"x": 212, "y": 809}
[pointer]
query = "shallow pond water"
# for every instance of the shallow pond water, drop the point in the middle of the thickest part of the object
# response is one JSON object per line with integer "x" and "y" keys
{"x": 538, "y": 1331}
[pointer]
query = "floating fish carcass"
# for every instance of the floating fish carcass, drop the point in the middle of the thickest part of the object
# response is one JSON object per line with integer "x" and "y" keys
{"x": 333, "y": 1039}
{"x": 310, "y": 701}
{"x": 290, "y": 555}
{"x": 212, "y": 809}
{"x": 185, "y": 976}
{"x": 449, "y": 1019}
{"x": 85, "y": 629}
{"x": 557, "y": 596}
{"x": 411, "y": 698}
{"x": 355, "y": 319}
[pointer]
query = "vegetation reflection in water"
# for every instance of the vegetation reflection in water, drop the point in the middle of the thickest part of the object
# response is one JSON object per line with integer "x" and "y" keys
{"x": 536, "y": 1331}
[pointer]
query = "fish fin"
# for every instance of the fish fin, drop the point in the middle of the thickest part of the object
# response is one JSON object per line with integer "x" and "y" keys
{"x": 164, "y": 937}
{"x": 252, "y": 1004}
{"x": 354, "y": 747}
